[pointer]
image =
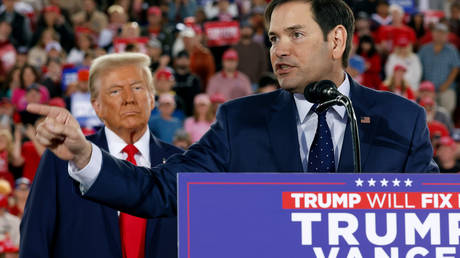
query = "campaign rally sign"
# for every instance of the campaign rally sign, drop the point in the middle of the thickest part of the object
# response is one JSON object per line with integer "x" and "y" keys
{"x": 222, "y": 33}
{"x": 230, "y": 215}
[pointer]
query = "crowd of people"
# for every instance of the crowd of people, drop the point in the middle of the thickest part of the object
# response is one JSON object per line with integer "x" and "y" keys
{"x": 46, "y": 49}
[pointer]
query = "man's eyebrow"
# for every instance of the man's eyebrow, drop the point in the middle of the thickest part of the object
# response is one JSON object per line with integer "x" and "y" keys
{"x": 289, "y": 29}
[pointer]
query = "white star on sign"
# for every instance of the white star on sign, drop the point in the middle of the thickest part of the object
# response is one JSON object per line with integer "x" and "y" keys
{"x": 408, "y": 182}
{"x": 359, "y": 182}
{"x": 371, "y": 182}
{"x": 384, "y": 182}
{"x": 396, "y": 182}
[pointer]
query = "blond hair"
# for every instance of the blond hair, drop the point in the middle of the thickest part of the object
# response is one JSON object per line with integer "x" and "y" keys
{"x": 108, "y": 62}
{"x": 9, "y": 139}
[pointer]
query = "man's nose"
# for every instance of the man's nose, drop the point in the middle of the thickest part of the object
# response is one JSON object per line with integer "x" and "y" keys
{"x": 282, "y": 47}
{"x": 128, "y": 95}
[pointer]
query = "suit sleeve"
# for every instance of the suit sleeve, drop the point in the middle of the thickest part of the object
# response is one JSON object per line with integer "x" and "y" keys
{"x": 38, "y": 223}
{"x": 421, "y": 152}
{"x": 152, "y": 192}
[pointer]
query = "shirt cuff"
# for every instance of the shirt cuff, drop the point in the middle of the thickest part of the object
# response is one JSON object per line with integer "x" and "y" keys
{"x": 87, "y": 175}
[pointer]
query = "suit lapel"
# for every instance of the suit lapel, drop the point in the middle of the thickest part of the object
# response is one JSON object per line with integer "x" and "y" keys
{"x": 366, "y": 127}
{"x": 282, "y": 129}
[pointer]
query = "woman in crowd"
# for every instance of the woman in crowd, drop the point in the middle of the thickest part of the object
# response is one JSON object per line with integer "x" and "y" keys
{"x": 202, "y": 118}
{"x": 367, "y": 50}
{"x": 397, "y": 84}
{"x": 28, "y": 78}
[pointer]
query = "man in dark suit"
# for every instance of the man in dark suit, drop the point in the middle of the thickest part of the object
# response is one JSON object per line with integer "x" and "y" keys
{"x": 57, "y": 222}
{"x": 274, "y": 132}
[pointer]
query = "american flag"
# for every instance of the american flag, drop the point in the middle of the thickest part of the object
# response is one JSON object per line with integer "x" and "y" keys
{"x": 365, "y": 120}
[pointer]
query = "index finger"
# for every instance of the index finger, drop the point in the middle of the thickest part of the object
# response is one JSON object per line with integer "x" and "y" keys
{"x": 44, "y": 110}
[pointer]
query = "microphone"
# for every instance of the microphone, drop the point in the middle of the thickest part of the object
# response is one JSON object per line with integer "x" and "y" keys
{"x": 320, "y": 92}
{"x": 325, "y": 94}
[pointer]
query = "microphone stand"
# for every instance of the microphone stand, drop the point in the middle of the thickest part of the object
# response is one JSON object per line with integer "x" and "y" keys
{"x": 346, "y": 102}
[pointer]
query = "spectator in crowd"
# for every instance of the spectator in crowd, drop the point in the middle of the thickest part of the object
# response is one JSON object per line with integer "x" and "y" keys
{"x": 31, "y": 149}
{"x": 28, "y": 78}
{"x": 445, "y": 156}
{"x": 202, "y": 119}
{"x": 221, "y": 10}
{"x": 7, "y": 50}
{"x": 180, "y": 9}
{"x": 84, "y": 46}
{"x": 201, "y": 60}
{"x": 382, "y": 16}
{"x": 362, "y": 25}
{"x": 154, "y": 51}
{"x": 386, "y": 35}
{"x": 187, "y": 85}
{"x": 454, "y": 20}
{"x": 267, "y": 83}
{"x": 157, "y": 29}
{"x": 10, "y": 155}
{"x": 54, "y": 50}
{"x": 397, "y": 84}
{"x": 216, "y": 100}
{"x": 164, "y": 125}
{"x": 403, "y": 55}
{"x": 21, "y": 31}
{"x": 21, "y": 56}
{"x": 435, "y": 112}
{"x": 252, "y": 55}
{"x": 20, "y": 194}
{"x": 52, "y": 79}
{"x": 52, "y": 19}
{"x": 9, "y": 224}
{"x": 441, "y": 62}
{"x": 229, "y": 82}
{"x": 90, "y": 17}
{"x": 366, "y": 49}
{"x": 164, "y": 83}
{"x": 417, "y": 23}
{"x": 37, "y": 54}
{"x": 182, "y": 139}
{"x": 79, "y": 103}
{"x": 12, "y": 82}
{"x": 117, "y": 17}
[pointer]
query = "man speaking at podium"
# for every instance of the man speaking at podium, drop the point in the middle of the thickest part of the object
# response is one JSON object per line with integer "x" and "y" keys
{"x": 274, "y": 132}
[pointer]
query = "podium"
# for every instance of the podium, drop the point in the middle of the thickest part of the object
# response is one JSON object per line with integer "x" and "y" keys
{"x": 268, "y": 215}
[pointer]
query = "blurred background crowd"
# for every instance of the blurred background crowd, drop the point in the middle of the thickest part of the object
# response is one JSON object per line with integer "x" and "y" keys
{"x": 203, "y": 53}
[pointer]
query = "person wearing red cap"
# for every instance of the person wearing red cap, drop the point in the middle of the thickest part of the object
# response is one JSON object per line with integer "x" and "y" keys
{"x": 445, "y": 156}
{"x": 56, "y": 221}
{"x": 403, "y": 55}
{"x": 157, "y": 29}
{"x": 229, "y": 82}
{"x": 435, "y": 112}
{"x": 397, "y": 84}
{"x": 51, "y": 17}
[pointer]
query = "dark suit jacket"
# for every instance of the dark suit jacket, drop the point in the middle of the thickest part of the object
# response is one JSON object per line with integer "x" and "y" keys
{"x": 259, "y": 134}
{"x": 57, "y": 222}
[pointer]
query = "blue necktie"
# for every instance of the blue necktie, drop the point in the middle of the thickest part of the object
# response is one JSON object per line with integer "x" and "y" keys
{"x": 321, "y": 156}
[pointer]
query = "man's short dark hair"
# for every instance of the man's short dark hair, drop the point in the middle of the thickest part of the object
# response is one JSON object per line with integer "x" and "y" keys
{"x": 328, "y": 14}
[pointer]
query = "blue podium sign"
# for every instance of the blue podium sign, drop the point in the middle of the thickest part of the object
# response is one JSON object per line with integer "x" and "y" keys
{"x": 318, "y": 215}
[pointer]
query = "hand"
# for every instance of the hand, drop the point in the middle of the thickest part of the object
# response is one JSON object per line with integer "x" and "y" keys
{"x": 61, "y": 133}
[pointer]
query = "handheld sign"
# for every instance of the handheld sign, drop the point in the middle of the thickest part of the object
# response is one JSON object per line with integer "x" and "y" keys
{"x": 318, "y": 215}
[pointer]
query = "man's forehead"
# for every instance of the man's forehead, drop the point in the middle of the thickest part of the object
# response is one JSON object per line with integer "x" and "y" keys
{"x": 290, "y": 15}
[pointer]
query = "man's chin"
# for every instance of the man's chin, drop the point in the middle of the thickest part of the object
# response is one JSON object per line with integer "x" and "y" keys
{"x": 291, "y": 88}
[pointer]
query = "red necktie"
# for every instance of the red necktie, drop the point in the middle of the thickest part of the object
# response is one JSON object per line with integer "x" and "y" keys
{"x": 132, "y": 229}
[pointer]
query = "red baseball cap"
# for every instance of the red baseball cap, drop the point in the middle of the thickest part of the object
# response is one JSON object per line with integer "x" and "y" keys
{"x": 165, "y": 74}
{"x": 437, "y": 129}
{"x": 426, "y": 101}
{"x": 448, "y": 141}
{"x": 427, "y": 86}
{"x": 83, "y": 75}
{"x": 154, "y": 10}
{"x": 230, "y": 54}
{"x": 400, "y": 68}
{"x": 402, "y": 41}
{"x": 52, "y": 9}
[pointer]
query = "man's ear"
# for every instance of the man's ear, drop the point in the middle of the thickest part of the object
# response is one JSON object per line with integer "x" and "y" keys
{"x": 97, "y": 107}
{"x": 338, "y": 39}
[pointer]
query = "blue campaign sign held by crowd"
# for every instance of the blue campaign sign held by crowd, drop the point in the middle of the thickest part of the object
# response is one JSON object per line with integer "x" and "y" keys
{"x": 318, "y": 215}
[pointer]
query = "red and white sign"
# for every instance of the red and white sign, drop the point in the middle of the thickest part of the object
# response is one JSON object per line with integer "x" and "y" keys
{"x": 222, "y": 33}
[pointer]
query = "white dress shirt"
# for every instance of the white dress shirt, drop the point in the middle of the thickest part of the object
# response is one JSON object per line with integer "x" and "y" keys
{"x": 87, "y": 176}
{"x": 307, "y": 121}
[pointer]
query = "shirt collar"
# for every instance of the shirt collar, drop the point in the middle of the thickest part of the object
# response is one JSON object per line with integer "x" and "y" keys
{"x": 304, "y": 107}
{"x": 116, "y": 144}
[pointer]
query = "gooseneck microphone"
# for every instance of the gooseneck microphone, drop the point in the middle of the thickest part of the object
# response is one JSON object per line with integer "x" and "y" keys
{"x": 325, "y": 94}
